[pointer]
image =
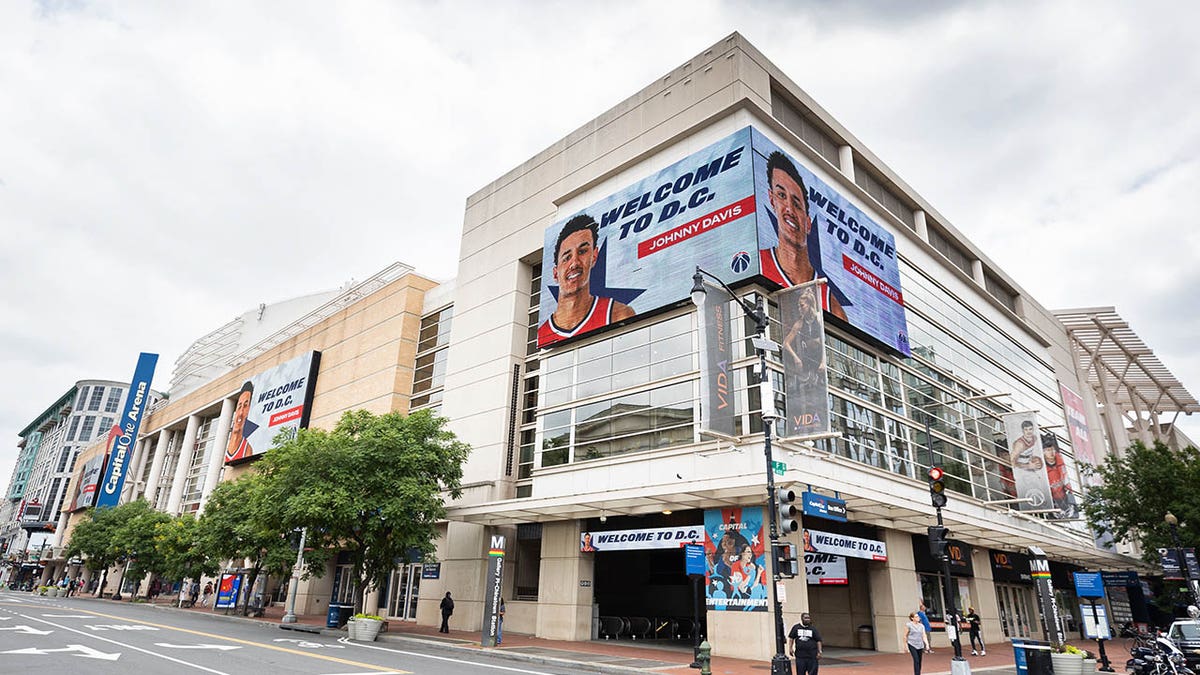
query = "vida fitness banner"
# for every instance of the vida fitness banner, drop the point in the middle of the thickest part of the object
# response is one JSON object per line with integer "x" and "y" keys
{"x": 137, "y": 399}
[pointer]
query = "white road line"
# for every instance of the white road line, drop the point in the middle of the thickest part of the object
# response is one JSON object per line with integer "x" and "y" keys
{"x": 68, "y": 616}
{"x": 443, "y": 658}
{"x": 129, "y": 646}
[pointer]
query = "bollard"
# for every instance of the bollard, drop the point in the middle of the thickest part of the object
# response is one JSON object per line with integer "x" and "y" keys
{"x": 705, "y": 658}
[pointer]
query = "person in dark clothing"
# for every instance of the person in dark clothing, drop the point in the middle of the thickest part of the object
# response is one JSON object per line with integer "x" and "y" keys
{"x": 804, "y": 643}
{"x": 447, "y": 607}
{"x": 975, "y": 624}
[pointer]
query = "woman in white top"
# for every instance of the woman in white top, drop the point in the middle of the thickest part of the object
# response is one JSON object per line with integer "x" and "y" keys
{"x": 914, "y": 637}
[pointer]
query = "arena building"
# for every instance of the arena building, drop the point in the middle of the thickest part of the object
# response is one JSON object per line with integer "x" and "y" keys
{"x": 574, "y": 370}
{"x": 608, "y": 429}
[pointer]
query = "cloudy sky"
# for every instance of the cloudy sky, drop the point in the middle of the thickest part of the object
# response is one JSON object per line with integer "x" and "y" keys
{"x": 166, "y": 166}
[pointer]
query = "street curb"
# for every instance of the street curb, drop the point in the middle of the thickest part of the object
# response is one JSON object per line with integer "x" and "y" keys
{"x": 528, "y": 658}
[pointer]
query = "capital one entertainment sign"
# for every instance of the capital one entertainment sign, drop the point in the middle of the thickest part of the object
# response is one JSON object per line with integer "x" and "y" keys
{"x": 130, "y": 422}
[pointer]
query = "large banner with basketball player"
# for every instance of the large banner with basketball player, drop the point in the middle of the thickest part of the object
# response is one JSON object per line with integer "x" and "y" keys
{"x": 276, "y": 401}
{"x": 635, "y": 250}
{"x": 740, "y": 208}
{"x": 737, "y": 573}
{"x": 808, "y": 230}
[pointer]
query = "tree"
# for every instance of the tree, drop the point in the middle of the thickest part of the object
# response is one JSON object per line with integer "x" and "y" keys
{"x": 372, "y": 487}
{"x": 116, "y": 535}
{"x": 237, "y": 525}
{"x": 182, "y": 551}
{"x": 1139, "y": 488}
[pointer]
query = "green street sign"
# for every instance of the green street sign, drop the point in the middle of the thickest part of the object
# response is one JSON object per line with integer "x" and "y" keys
{"x": 780, "y": 468}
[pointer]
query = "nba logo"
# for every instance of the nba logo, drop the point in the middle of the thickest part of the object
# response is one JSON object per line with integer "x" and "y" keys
{"x": 740, "y": 262}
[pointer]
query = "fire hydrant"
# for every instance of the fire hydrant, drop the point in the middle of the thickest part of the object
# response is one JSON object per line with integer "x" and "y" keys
{"x": 705, "y": 658}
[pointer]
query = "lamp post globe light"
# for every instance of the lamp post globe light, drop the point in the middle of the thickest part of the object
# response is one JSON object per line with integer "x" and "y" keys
{"x": 780, "y": 663}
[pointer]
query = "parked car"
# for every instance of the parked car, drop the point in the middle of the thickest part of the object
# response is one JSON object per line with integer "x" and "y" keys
{"x": 1185, "y": 633}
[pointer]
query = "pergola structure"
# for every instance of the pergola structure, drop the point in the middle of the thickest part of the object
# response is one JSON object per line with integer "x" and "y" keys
{"x": 1133, "y": 387}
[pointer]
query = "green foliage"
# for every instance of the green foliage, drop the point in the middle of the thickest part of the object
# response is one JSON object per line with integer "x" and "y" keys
{"x": 182, "y": 556}
{"x": 371, "y": 487}
{"x": 113, "y": 536}
{"x": 1137, "y": 491}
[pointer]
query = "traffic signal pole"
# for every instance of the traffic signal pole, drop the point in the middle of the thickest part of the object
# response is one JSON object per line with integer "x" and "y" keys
{"x": 939, "y": 547}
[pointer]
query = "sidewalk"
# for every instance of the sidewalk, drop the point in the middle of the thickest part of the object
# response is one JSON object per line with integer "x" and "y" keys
{"x": 627, "y": 657}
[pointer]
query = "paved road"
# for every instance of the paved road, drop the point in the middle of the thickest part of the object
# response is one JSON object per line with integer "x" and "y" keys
{"x": 73, "y": 635}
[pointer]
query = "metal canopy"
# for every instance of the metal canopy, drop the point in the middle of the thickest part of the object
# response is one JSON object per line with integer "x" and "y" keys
{"x": 1115, "y": 360}
{"x": 873, "y": 496}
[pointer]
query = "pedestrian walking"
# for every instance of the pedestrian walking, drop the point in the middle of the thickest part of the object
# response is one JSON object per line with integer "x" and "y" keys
{"x": 195, "y": 595}
{"x": 500, "y": 622}
{"x": 804, "y": 643}
{"x": 208, "y": 589}
{"x": 917, "y": 640}
{"x": 447, "y": 607}
{"x": 974, "y": 626}
{"x": 928, "y": 628}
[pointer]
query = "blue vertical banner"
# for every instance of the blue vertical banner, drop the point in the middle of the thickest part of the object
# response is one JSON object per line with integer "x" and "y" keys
{"x": 136, "y": 401}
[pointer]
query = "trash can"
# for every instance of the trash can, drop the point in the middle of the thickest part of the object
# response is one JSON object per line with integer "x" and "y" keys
{"x": 338, "y": 615}
{"x": 1032, "y": 657}
{"x": 866, "y": 637}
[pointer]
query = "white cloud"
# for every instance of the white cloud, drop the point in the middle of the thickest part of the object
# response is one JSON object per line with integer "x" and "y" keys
{"x": 178, "y": 163}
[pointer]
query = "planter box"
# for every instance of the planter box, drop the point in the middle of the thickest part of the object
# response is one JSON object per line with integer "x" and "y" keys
{"x": 1066, "y": 664}
{"x": 366, "y": 630}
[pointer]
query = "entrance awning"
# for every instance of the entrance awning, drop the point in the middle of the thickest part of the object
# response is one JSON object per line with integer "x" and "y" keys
{"x": 873, "y": 496}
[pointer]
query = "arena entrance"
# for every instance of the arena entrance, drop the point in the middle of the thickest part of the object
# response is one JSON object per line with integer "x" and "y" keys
{"x": 644, "y": 594}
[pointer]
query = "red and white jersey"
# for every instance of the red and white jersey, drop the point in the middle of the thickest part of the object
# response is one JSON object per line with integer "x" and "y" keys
{"x": 773, "y": 271}
{"x": 598, "y": 316}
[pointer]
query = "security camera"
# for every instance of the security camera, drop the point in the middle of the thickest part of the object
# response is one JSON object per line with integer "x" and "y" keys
{"x": 603, "y": 518}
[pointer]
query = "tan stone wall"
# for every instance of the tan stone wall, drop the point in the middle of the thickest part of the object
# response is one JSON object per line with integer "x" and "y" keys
{"x": 367, "y": 357}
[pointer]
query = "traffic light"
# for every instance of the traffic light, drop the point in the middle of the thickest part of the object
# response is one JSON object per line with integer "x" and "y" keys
{"x": 786, "y": 564}
{"x": 938, "y": 541}
{"x": 787, "y": 511}
{"x": 937, "y": 486}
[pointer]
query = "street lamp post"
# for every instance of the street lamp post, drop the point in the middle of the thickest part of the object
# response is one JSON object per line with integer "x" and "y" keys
{"x": 1173, "y": 523}
{"x": 780, "y": 663}
{"x": 290, "y": 617}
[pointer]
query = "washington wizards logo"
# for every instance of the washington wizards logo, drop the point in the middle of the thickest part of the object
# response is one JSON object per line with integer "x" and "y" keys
{"x": 740, "y": 262}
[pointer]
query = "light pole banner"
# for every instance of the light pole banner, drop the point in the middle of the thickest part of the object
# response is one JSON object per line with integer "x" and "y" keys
{"x": 137, "y": 399}
{"x": 805, "y": 380}
{"x": 716, "y": 353}
{"x": 1029, "y": 465}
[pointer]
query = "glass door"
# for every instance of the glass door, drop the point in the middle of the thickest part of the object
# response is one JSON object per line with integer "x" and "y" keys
{"x": 1015, "y": 610}
{"x": 403, "y": 592}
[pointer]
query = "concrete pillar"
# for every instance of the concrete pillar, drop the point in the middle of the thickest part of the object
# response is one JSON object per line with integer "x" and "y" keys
{"x": 983, "y": 598}
{"x": 186, "y": 449}
{"x": 895, "y": 591}
{"x": 217, "y": 461}
{"x": 846, "y": 161}
{"x": 138, "y": 464}
{"x": 564, "y": 605}
{"x": 977, "y": 272}
{"x": 920, "y": 225}
{"x": 160, "y": 452}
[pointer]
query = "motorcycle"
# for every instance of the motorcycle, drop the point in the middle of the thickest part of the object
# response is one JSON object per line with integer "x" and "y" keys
{"x": 1155, "y": 654}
